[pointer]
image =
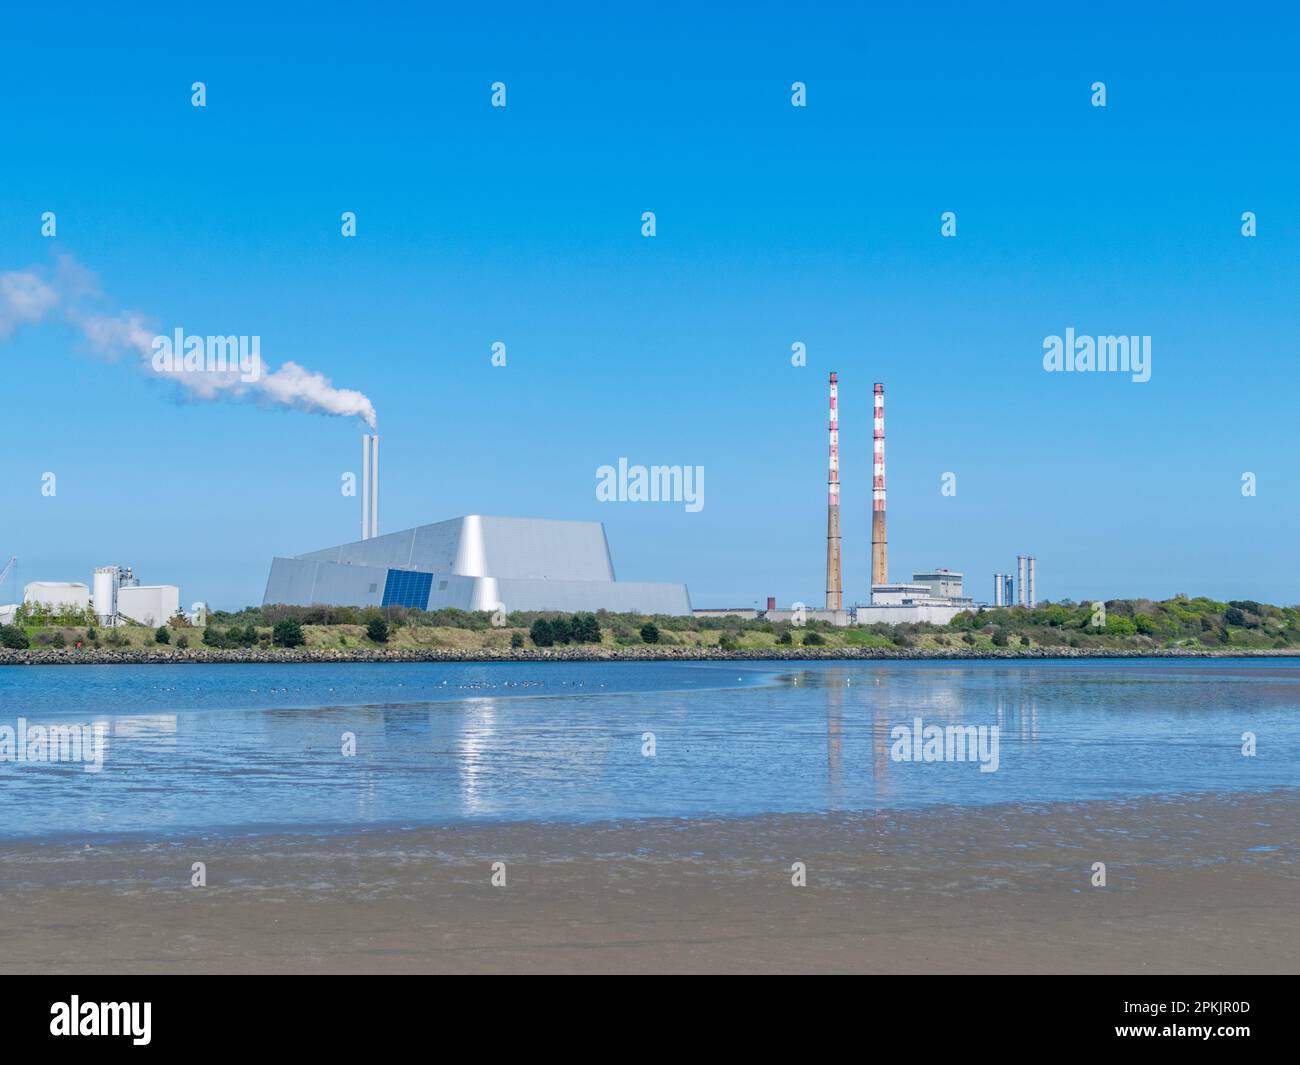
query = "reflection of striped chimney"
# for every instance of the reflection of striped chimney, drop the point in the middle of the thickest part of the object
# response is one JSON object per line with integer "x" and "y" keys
{"x": 834, "y": 585}
{"x": 879, "y": 545}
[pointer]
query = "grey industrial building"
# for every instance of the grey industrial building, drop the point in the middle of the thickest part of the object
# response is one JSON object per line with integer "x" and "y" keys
{"x": 473, "y": 563}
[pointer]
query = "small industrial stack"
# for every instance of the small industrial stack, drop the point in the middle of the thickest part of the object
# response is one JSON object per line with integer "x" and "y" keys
{"x": 369, "y": 486}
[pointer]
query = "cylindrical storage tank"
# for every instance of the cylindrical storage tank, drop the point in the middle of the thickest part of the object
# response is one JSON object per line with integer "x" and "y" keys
{"x": 105, "y": 594}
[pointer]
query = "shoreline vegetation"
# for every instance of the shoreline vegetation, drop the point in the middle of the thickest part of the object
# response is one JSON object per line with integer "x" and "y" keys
{"x": 1120, "y": 628}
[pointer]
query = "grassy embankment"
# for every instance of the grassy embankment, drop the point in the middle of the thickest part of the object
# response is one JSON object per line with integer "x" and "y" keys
{"x": 1128, "y": 625}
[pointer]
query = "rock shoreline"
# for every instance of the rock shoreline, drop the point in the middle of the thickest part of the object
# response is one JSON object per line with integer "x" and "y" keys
{"x": 206, "y": 656}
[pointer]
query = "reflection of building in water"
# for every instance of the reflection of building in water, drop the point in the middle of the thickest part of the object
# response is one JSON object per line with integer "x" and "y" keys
{"x": 1017, "y": 714}
{"x": 478, "y": 727}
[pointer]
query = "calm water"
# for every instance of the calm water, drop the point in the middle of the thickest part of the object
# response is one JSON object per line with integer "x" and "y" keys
{"x": 236, "y": 748}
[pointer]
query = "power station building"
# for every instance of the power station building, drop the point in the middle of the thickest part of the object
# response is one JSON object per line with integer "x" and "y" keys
{"x": 473, "y": 563}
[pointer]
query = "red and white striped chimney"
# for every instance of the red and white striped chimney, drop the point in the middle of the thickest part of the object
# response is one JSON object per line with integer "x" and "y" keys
{"x": 879, "y": 544}
{"x": 834, "y": 582}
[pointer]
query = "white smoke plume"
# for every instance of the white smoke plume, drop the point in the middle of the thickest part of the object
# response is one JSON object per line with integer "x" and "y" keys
{"x": 24, "y": 298}
{"x": 29, "y": 296}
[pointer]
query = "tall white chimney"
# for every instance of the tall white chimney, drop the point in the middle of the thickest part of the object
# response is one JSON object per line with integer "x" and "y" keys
{"x": 1020, "y": 580}
{"x": 374, "y": 488}
{"x": 365, "y": 486}
{"x": 1031, "y": 594}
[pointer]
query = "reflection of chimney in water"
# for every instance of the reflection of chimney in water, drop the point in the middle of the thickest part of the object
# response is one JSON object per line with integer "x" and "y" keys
{"x": 835, "y": 685}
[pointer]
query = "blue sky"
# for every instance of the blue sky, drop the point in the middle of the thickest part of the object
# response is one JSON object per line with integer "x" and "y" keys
{"x": 775, "y": 224}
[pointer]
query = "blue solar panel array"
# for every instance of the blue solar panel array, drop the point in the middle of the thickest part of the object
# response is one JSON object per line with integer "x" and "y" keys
{"x": 406, "y": 587}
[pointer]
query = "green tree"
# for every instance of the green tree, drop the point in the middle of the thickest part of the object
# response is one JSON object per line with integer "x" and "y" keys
{"x": 13, "y": 637}
{"x": 649, "y": 632}
{"x": 516, "y": 640}
{"x": 288, "y": 633}
{"x": 561, "y": 629}
{"x": 162, "y": 635}
{"x": 586, "y": 629}
{"x": 814, "y": 639}
{"x": 377, "y": 630}
{"x": 541, "y": 633}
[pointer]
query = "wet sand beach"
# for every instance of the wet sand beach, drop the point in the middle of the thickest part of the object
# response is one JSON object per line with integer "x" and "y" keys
{"x": 1200, "y": 884}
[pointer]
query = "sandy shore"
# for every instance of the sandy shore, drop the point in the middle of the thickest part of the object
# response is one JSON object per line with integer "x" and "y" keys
{"x": 1195, "y": 884}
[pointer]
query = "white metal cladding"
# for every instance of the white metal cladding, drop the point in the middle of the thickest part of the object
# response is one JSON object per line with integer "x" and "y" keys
{"x": 477, "y": 546}
{"x": 303, "y": 582}
{"x": 149, "y": 604}
{"x": 477, "y": 563}
{"x": 57, "y": 593}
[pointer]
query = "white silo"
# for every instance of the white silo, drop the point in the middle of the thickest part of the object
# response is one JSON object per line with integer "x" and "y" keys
{"x": 105, "y": 594}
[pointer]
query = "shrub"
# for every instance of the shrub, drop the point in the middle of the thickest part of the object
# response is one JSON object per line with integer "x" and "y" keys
{"x": 726, "y": 642}
{"x": 91, "y": 636}
{"x": 561, "y": 629}
{"x": 377, "y": 630}
{"x": 162, "y": 635}
{"x": 585, "y": 628}
{"x": 541, "y": 633}
{"x": 183, "y": 642}
{"x": 516, "y": 640}
{"x": 288, "y": 633}
{"x": 785, "y": 637}
{"x": 13, "y": 637}
{"x": 814, "y": 639}
{"x": 649, "y": 632}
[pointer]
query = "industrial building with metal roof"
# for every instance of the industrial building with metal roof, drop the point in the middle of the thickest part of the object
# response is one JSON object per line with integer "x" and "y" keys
{"x": 473, "y": 563}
